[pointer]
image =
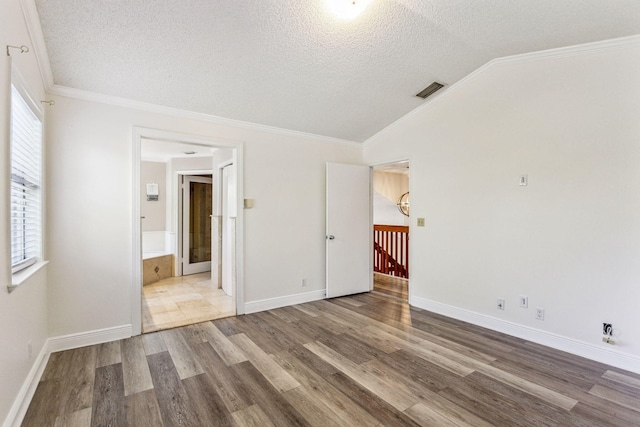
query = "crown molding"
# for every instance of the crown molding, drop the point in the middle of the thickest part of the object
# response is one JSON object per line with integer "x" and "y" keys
{"x": 34, "y": 28}
{"x": 37, "y": 38}
{"x": 562, "y": 52}
{"x": 191, "y": 115}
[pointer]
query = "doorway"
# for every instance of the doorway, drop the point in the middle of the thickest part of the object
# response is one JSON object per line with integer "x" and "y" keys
{"x": 197, "y": 211}
{"x": 191, "y": 193}
{"x": 391, "y": 219}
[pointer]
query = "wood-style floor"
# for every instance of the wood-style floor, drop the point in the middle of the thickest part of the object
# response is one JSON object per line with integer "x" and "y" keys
{"x": 364, "y": 360}
{"x": 183, "y": 300}
{"x": 392, "y": 286}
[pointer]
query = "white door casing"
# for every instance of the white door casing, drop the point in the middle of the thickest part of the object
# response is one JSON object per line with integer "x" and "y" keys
{"x": 228, "y": 197}
{"x": 237, "y": 147}
{"x": 349, "y": 230}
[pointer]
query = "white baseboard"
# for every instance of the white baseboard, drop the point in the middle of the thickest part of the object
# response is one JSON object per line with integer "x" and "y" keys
{"x": 270, "y": 303}
{"x": 23, "y": 399}
{"x": 558, "y": 342}
{"x": 65, "y": 342}
{"x": 83, "y": 339}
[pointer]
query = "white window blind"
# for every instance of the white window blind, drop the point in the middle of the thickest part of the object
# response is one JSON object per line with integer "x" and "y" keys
{"x": 26, "y": 167}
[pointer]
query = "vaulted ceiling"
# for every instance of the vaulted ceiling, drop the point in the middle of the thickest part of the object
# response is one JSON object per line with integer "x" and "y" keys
{"x": 295, "y": 64}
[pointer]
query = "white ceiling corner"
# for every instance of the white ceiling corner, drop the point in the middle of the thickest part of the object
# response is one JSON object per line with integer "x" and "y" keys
{"x": 292, "y": 65}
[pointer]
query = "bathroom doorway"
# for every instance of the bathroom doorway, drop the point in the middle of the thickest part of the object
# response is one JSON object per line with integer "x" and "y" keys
{"x": 179, "y": 273}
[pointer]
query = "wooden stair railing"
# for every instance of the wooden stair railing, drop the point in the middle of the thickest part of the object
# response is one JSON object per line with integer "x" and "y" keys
{"x": 391, "y": 250}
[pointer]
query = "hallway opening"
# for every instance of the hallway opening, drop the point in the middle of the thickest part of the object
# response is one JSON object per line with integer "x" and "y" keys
{"x": 391, "y": 210}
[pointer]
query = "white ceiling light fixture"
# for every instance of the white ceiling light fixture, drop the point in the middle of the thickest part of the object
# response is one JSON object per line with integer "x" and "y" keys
{"x": 347, "y": 9}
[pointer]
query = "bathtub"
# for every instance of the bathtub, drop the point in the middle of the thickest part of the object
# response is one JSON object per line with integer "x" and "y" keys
{"x": 157, "y": 258}
{"x": 156, "y": 266}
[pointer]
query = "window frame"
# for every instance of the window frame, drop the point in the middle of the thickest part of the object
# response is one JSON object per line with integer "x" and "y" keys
{"x": 20, "y": 273}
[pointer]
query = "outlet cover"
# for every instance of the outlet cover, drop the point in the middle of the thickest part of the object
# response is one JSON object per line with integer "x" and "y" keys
{"x": 539, "y": 313}
{"x": 500, "y": 304}
{"x": 524, "y": 301}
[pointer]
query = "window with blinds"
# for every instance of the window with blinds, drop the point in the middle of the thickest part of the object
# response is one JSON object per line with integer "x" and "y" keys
{"x": 26, "y": 198}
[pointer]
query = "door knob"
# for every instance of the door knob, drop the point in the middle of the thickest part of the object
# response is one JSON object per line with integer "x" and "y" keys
{"x": 331, "y": 237}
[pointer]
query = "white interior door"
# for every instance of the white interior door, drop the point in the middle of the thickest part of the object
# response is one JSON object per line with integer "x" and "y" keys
{"x": 197, "y": 208}
{"x": 349, "y": 231}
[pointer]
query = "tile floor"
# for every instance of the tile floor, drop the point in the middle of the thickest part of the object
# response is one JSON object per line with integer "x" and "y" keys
{"x": 179, "y": 301}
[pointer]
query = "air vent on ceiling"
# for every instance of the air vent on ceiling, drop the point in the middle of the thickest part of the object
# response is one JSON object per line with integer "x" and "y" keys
{"x": 430, "y": 90}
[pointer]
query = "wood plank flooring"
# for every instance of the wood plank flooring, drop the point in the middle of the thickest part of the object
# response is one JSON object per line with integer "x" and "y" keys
{"x": 391, "y": 286}
{"x": 183, "y": 300}
{"x": 363, "y": 360}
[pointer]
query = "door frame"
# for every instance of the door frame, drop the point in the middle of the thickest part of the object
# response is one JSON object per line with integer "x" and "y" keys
{"x": 182, "y": 206}
{"x": 176, "y": 182}
{"x": 218, "y": 211}
{"x": 411, "y": 252}
{"x": 237, "y": 147}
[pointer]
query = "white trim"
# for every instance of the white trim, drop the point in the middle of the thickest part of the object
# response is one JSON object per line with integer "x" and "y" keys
{"x": 28, "y": 95}
{"x": 590, "y": 351}
{"x": 191, "y": 115}
{"x": 561, "y": 52}
{"x": 277, "y": 302}
{"x": 178, "y": 207}
{"x": 196, "y": 171}
{"x": 30, "y": 12}
{"x": 23, "y": 399}
{"x": 22, "y": 276}
{"x": 412, "y": 255}
{"x": 83, "y": 339}
{"x": 37, "y": 38}
{"x": 140, "y": 133}
{"x": 32, "y": 19}
{"x": 66, "y": 342}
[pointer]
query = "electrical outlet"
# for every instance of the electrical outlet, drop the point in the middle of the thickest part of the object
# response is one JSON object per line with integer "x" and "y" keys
{"x": 539, "y": 313}
{"x": 30, "y": 348}
{"x": 524, "y": 301}
{"x": 607, "y": 329}
{"x": 303, "y": 282}
{"x": 500, "y": 304}
{"x": 420, "y": 222}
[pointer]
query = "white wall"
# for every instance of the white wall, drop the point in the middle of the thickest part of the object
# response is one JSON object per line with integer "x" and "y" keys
{"x": 154, "y": 212}
{"x": 23, "y": 313}
{"x": 570, "y": 240}
{"x": 386, "y": 212}
{"x": 91, "y": 268}
{"x": 387, "y": 189}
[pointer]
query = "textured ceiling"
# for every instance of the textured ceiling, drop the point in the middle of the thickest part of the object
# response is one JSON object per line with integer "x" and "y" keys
{"x": 293, "y": 64}
{"x": 162, "y": 151}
